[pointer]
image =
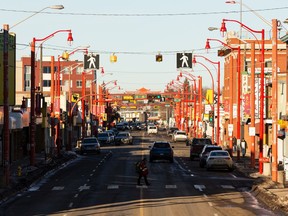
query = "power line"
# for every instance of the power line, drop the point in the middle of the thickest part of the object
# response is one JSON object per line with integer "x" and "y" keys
{"x": 145, "y": 14}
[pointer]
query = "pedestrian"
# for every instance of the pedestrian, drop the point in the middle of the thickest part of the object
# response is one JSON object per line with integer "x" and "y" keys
{"x": 142, "y": 171}
{"x": 243, "y": 146}
{"x": 234, "y": 142}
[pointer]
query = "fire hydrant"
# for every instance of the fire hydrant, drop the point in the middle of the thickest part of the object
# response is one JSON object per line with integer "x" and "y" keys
{"x": 19, "y": 171}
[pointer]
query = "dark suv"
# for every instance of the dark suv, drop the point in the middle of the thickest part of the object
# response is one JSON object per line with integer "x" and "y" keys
{"x": 197, "y": 145}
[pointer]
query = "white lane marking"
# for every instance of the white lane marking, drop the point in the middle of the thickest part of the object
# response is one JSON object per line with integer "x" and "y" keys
{"x": 91, "y": 174}
{"x": 227, "y": 186}
{"x": 113, "y": 187}
{"x": 35, "y": 188}
{"x": 233, "y": 176}
{"x": 199, "y": 187}
{"x": 210, "y": 204}
{"x": 94, "y": 170}
{"x": 205, "y": 195}
{"x": 84, "y": 187}
{"x": 70, "y": 205}
{"x": 58, "y": 188}
{"x": 170, "y": 186}
{"x": 76, "y": 195}
{"x": 88, "y": 180}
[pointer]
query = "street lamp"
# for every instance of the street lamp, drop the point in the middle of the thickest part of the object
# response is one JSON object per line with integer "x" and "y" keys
{"x": 262, "y": 88}
{"x": 32, "y": 91}
{"x": 207, "y": 46}
{"x": 218, "y": 92}
{"x": 57, "y": 7}
{"x": 212, "y": 79}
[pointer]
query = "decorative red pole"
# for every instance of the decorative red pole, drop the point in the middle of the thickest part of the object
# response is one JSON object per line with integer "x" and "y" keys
{"x": 262, "y": 87}
{"x": 32, "y": 92}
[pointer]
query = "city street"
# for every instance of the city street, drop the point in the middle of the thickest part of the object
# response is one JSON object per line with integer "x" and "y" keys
{"x": 106, "y": 184}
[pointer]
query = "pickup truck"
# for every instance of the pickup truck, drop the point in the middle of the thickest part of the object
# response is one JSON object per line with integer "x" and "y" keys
{"x": 197, "y": 145}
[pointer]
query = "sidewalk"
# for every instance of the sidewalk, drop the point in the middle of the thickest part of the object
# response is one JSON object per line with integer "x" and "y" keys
{"x": 29, "y": 174}
{"x": 273, "y": 194}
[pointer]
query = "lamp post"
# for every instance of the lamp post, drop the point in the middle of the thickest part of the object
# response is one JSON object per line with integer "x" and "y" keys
{"x": 218, "y": 92}
{"x": 65, "y": 56}
{"x": 239, "y": 87}
{"x": 32, "y": 91}
{"x": 262, "y": 88}
{"x": 212, "y": 107}
{"x": 6, "y": 144}
{"x": 191, "y": 77}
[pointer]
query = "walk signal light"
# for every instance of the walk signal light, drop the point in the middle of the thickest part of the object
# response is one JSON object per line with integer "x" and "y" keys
{"x": 211, "y": 116}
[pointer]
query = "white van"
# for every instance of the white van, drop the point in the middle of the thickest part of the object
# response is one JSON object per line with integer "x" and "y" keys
{"x": 152, "y": 129}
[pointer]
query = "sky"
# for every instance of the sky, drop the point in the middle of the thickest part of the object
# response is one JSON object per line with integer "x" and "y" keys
{"x": 136, "y": 31}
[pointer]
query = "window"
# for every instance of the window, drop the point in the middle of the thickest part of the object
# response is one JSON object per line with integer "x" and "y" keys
{"x": 268, "y": 64}
{"x": 88, "y": 83}
{"x": 46, "y": 69}
{"x": 66, "y": 70}
{"x": 79, "y": 70}
{"x": 46, "y": 83}
{"x": 78, "y": 83}
{"x": 27, "y": 85}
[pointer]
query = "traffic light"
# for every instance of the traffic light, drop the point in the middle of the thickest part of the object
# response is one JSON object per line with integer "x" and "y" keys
{"x": 211, "y": 116}
{"x": 159, "y": 58}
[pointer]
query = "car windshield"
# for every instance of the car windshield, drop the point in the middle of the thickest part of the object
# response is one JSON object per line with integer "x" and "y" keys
{"x": 222, "y": 153}
{"x": 181, "y": 133}
{"x": 102, "y": 135}
{"x": 92, "y": 140}
{"x": 212, "y": 148}
{"x": 161, "y": 145}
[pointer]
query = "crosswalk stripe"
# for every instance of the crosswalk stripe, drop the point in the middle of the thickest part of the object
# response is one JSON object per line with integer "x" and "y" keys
{"x": 227, "y": 186}
{"x": 171, "y": 186}
{"x": 57, "y": 188}
{"x": 113, "y": 187}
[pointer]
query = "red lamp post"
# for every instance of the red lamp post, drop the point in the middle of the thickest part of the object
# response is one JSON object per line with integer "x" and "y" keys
{"x": 262, "y": 88}
{"x": 32, "y": 91}
{"x": 239, "y": 87}
{"x": 212, "y": 106}
{"x": 218, "y": 92}
{"x": 64, "y": 56}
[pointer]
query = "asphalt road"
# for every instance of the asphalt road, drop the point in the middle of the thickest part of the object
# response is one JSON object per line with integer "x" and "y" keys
{"x": 105, "y": 184}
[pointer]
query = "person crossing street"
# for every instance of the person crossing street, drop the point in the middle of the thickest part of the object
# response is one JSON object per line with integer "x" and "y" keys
{"x": 142, "y": 171}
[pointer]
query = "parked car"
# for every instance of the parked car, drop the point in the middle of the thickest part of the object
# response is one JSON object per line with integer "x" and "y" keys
{"x": 219, "y": 159}
{"x": 112, "y": 134}
{"x": 123, "y": 138}
{"x": 152, "y": 129}
{"x": 171, "y": 130}
{"x": 179, "y": 136}
{"x": 89, "y": 144}
{"x": 121, "y": 126}
{"x": 205, "y": 152}
{"x": 161, "y": 150}
{"x": 105, "y": 138}
{"x": 197, "y": 145}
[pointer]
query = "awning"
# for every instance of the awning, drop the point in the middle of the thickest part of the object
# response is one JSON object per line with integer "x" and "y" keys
{"x": 154, "y": 118}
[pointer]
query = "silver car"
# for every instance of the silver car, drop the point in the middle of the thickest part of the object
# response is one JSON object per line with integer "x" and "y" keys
{"x": 90, "y": 144}
{"x": 219, "y": 159}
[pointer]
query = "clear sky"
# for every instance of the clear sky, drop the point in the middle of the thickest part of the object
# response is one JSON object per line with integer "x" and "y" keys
{"x": 135, "y": 31}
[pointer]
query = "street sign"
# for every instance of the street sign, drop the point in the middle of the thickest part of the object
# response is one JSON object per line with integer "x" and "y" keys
{"x": 184, "y": 60}
{"x": 11, "y": 68}
{"x": 91, "y": 61}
